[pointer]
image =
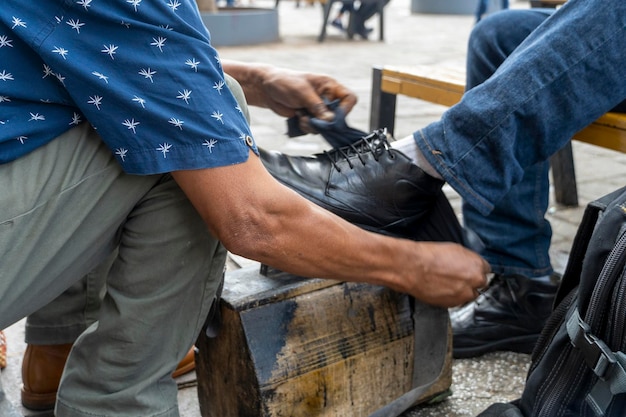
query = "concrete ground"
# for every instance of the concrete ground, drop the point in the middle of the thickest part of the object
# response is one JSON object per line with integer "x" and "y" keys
{"x": 410, "y": 39}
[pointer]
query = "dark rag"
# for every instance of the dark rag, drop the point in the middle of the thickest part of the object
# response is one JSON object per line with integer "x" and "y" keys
{"x": 336, "y": 132}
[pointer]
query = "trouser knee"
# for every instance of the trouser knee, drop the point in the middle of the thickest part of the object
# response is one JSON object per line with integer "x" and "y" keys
{"x": 495, "y": 37}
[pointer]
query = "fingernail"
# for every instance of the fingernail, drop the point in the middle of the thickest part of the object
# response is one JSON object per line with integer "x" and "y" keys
{"x": 328, "y": 116}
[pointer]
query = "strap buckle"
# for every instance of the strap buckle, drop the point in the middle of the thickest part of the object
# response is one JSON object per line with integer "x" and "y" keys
{"x": 598, "y": 356}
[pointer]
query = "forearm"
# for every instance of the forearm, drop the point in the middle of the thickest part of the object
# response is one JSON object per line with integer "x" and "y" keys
{"x": 270, "y": 223}
{"x": 251, "y": 77}
{"x": 298, "y": 237}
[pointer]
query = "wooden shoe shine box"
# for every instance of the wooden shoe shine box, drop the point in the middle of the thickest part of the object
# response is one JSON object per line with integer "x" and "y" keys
{"x": 291, "y": 347}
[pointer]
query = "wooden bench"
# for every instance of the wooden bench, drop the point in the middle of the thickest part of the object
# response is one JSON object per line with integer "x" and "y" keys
{"x": 446, "y": 86}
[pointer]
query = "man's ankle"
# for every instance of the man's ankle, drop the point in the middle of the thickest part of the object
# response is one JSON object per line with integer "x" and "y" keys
{"x": 408, "y": 147}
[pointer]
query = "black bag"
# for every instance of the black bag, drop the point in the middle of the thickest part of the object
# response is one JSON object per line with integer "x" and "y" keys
{"x": 578, "y": 367}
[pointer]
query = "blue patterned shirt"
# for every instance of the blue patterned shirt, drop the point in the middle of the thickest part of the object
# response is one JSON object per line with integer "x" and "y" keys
{"x": 141, "y": 72}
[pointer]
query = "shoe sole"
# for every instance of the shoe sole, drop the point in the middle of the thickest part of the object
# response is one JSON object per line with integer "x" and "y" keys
{"x": 184, "y": 369}
{"x": 524, "y": 344}
{"x": 38, "y": 402}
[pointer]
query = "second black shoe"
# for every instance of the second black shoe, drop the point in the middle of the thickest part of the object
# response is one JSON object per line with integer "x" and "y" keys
{"x": 508, "y": 316}
{"x": 367, "y": 183}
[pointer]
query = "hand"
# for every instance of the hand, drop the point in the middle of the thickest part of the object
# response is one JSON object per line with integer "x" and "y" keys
{"x": 288, "y": 92}
{"x": 450, "y": 275}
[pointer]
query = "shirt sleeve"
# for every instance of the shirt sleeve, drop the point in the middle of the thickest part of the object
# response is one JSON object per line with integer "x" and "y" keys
{"x": 145, "y": 76}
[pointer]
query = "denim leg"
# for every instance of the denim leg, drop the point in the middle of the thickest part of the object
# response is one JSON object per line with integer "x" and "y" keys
{"x": 564, "y": 75}
{"x": 483, "y": 5}
{"x": 516, "y": 234}
{"x": 495, "y": 38}
{"x": 482, "y": 8}
{"x": 346, "y": 6}
{"x": 365, "y": 11}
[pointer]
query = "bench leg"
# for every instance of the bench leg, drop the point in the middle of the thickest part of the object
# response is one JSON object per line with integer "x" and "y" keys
{"x": 564, "y": 176}
{"x": 381, "y": 16}
{"x": 383, "y": 105}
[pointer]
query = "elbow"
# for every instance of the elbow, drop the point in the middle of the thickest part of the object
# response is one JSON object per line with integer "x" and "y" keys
{"x": 249, "y": 240}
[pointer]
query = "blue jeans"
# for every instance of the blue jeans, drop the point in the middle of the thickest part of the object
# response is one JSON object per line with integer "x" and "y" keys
{"x": 484, "y": 4}
{"x": 493, "y": 147}
{"x": 516, "y": 240}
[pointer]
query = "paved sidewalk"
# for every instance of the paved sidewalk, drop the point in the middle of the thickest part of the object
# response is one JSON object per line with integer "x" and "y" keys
{"x": 410, "y": 39}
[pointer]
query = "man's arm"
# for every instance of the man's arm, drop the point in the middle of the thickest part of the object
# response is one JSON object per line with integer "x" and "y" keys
{"x": 262, "y": 220}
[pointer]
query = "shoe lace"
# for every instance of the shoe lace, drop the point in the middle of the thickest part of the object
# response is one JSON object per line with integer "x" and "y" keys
{"x": 499, "y": 280}
{"x": 496, "y": 282}
{"x": 372, "y": 143}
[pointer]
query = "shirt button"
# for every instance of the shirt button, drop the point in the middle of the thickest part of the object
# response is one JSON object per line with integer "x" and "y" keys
{"x": 249, "y": 141}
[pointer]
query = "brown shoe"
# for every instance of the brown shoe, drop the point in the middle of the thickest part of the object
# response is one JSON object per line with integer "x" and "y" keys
{"x": 43, "y": 365}
{"x": 3, "y": 350}
{"x": 186, "y": 365}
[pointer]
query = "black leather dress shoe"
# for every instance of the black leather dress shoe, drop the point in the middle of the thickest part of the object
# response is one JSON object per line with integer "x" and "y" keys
{"x": 367, "y": 183}
{"x": 508, "y": 316}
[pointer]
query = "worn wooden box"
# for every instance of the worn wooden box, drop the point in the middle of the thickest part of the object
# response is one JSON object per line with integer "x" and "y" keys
{"x": 292, "y": 347}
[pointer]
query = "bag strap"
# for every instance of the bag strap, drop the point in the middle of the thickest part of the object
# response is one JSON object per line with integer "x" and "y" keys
{"x": 573, "y": 270}
{"x": 434, "y": 342}
{"x": 597, "y": 270}
{"x": 610, "y": 367}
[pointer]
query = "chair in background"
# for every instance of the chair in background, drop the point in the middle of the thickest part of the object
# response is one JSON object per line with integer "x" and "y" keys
{"x": 327, "y": 7}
